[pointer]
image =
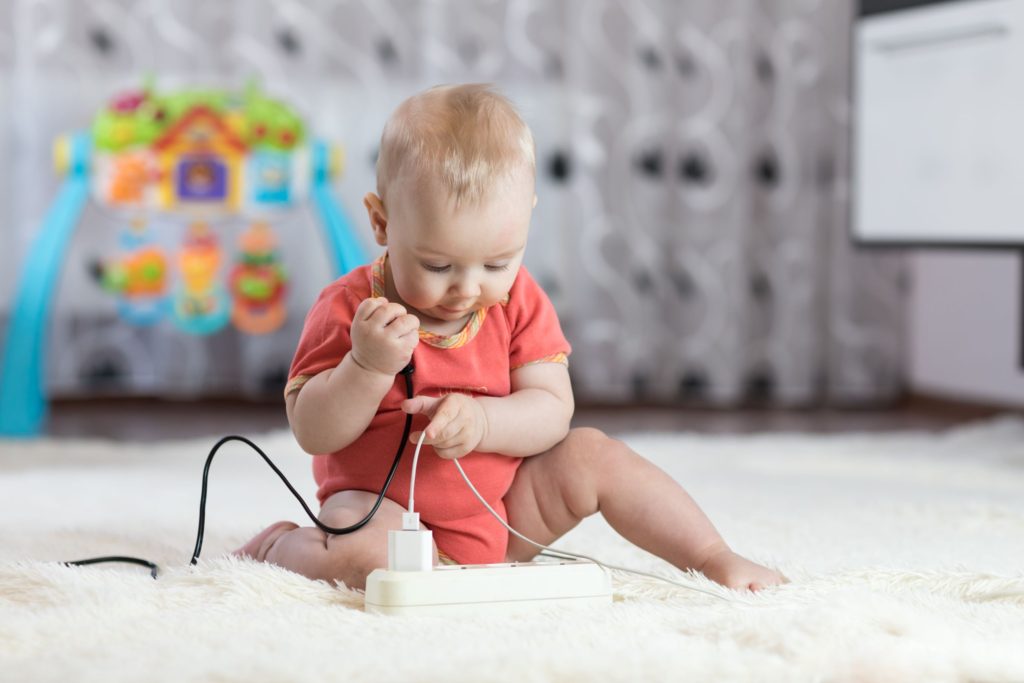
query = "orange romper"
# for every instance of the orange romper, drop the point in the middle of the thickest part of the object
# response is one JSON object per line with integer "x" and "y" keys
{"x": 477, "y": 361}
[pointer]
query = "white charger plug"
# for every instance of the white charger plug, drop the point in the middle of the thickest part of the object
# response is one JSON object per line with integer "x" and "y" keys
{"x": 410, "y": 549}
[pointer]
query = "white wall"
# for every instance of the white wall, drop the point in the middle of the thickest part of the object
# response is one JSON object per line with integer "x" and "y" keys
{"x": 965, "y": 331}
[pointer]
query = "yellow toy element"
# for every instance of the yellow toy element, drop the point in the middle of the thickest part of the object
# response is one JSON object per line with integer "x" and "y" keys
{"x": 200, "y": 160}
{"x": 198, "y": 261}
{"x": 123, "y": 132}
{"x": 258, "y": 283}
{"x": 236, "y": 123}
{"x": 336, "y": 165}
{"x": 62, "y": 154}
{"x": 200, "y": 307}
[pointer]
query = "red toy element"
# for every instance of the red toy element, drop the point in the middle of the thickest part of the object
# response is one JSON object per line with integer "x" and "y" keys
{"x": 258, "y": 283}
{"x": 128, "y": 102}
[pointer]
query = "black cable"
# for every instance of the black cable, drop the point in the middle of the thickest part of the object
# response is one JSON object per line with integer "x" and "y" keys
{"x": 153, "y": 569}
{"x": 406, "y": 371}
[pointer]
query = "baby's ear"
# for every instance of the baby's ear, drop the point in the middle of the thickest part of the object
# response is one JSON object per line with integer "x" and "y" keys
{"x": 378, "y": 217}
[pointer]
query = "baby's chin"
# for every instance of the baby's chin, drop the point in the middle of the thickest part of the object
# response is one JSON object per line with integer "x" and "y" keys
{"x": 442, "y": 315}
{"x": 437, "y": 314}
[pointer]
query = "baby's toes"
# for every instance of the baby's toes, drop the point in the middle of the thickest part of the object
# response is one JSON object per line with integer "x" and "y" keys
{"x": 776, "y": 579}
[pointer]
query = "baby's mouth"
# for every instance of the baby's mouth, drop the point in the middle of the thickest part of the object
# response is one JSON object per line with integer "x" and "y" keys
{"x": 456, "y": 311}
{"x": 449, "y": 315}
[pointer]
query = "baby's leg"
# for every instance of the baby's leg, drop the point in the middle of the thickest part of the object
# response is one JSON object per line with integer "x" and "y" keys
{"x": 588, "y": 472}
{"x": 348, "y": 558}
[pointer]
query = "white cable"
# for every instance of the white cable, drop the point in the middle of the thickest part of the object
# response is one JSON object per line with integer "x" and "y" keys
{"x": 561, "y": 554}
{"x": 580, "y": 556}
{"x": 415, "y": 464}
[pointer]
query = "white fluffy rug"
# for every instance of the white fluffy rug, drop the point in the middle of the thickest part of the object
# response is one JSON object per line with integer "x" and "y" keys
{"x": 906, "y": 553}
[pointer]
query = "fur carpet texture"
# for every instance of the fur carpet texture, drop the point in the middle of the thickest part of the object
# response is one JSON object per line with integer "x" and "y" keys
{"x": 905, "y": 551}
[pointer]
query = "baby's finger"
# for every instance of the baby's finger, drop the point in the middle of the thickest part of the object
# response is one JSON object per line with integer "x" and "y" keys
{"x": 452, "y": 437}
{"x": 455, "y": 441}
{"x": 385, "y": 313}
{"x": 421, "y": 404}
{"x": 368, "y": 307}
{"x": 414, "y": 438}
{"x": 445, "y": 415}
{"x": 453, "y": 453}
{"x": 405, "y": 324}
{"x": 410, "y": 339}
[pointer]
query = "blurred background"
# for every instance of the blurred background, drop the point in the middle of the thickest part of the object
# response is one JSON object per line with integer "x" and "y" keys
{"x": 693, "y": 226}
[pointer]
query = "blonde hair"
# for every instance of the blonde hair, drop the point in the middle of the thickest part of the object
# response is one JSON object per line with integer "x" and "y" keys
{"x": 468, "y": 137}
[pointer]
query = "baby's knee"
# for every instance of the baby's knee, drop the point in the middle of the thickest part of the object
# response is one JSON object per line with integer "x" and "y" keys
{"x": 587, "y": 437}
{"x": 586, "y": 444}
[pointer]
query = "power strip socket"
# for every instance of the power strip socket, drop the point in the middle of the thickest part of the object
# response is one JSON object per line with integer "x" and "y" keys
{"x": 493, "y": 588}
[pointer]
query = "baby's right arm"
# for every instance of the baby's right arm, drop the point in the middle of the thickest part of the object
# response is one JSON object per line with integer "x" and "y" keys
{"x": 333, "y": 408}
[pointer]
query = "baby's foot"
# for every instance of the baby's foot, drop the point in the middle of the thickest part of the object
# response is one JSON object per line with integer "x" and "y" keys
{"x": 724, "y": 566}
{"x": 259, "y": 545}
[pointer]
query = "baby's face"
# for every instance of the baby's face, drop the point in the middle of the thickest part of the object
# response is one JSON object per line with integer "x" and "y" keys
{"x": 447, "y": 262}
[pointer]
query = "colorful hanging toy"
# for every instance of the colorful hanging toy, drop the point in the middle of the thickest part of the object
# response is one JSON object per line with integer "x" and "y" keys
{"x": 258, "y": 283}
{"x": 201, "y": 304}
{"x": 202, "y": 162}
{"x": 138, "y": 277}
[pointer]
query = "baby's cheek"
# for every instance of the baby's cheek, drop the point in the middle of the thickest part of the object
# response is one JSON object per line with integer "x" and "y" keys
{"x": 493, "y": 298}
{"x": 416, "y": 297}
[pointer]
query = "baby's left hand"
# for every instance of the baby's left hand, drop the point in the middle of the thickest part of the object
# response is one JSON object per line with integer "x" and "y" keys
{"x": 458, "y": 423}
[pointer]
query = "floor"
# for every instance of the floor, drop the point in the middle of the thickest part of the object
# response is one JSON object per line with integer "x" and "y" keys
{"x": 152, "y": 420}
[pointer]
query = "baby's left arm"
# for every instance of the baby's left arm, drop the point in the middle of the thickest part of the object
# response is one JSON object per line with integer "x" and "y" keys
{"x": 530, "y": 420}
{"x": 534, "y": 417}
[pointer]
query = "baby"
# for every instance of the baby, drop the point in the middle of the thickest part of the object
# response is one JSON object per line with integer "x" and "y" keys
{"x": 455, "y": 192}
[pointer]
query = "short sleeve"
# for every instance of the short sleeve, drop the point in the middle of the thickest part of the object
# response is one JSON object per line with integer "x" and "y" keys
{"x": 326, "y": 336}
{"x": 536, "y": 334}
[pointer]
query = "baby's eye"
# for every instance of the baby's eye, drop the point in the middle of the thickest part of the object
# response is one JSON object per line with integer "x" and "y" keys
{"x": 501, "y": 267}
{"x": 436, "y": 269}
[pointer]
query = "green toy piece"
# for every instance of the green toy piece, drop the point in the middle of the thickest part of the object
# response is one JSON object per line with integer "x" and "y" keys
{"x": 139, "y": 118}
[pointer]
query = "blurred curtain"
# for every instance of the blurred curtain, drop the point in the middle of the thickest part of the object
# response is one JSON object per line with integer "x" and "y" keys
{"x": 693, "y": 177}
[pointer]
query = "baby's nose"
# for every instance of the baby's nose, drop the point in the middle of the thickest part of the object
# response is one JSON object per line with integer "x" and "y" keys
{"x": 467, "y": 288}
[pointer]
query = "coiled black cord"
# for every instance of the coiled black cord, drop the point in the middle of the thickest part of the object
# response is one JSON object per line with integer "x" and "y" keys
{"x": 338, "y": 531}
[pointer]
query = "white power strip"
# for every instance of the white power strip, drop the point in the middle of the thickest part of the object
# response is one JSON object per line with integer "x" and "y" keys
{"x": 490, "y": 588}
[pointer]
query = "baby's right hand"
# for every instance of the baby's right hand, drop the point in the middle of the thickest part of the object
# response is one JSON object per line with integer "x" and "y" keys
{"x": 383, "y": 336}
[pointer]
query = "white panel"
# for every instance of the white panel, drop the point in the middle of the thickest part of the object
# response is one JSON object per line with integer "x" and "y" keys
{"x": 939, "y": 138}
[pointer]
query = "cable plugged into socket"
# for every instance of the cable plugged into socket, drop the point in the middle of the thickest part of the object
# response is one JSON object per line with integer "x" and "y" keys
{"x": 410, "y": 549}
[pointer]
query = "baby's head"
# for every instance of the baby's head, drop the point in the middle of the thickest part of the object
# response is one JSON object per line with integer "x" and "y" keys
{"x": 455, "y": 190}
